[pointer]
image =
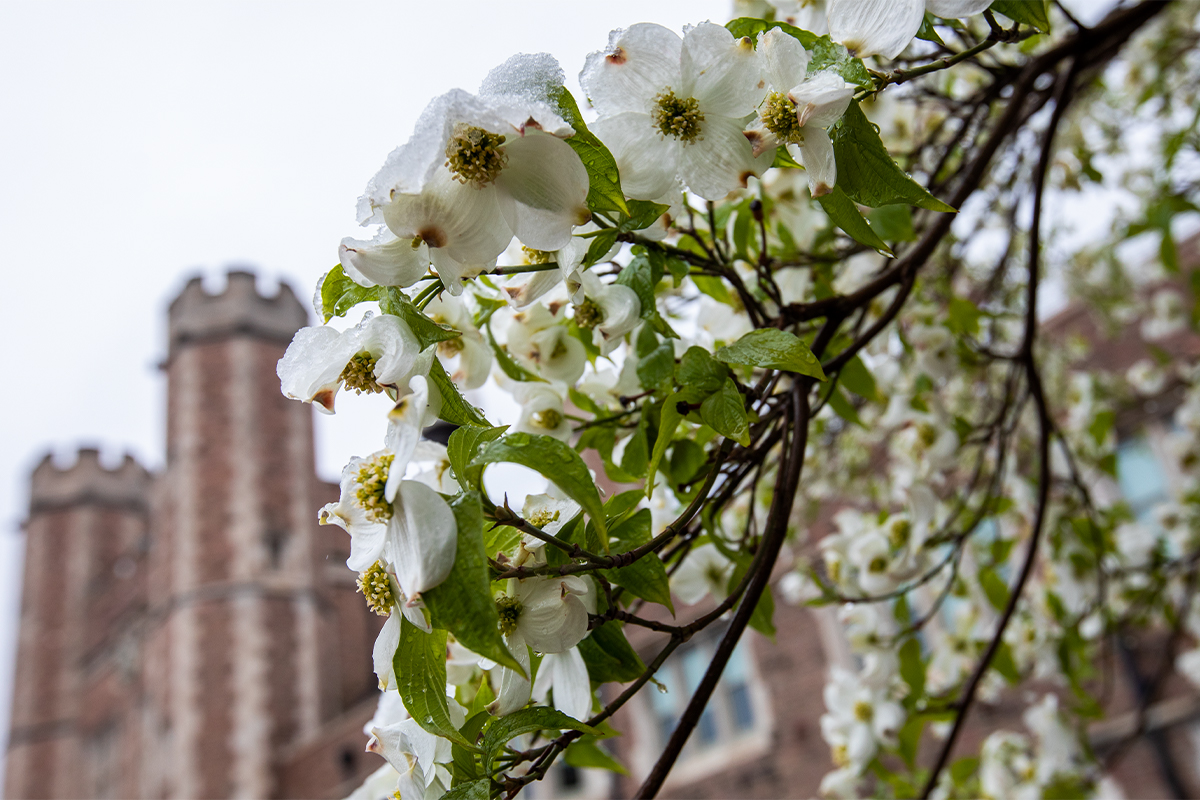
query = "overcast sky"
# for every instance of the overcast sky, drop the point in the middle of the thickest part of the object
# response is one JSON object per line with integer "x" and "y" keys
{"x": 143, "y": 143}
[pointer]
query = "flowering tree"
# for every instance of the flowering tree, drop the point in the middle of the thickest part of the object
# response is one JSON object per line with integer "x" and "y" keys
{"x": 779, "y": 276}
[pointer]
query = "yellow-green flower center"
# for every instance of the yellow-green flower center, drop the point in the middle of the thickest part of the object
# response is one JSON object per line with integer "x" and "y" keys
{"x": 372, "y": 478}
{"x": 451, "y": 347}
{"x": 474, "y": 155}
{"x": 779, "y": 117}
{"x": 359, "y": 374}
{"x": 927, "y": 433}
{"x": 547, "y": 418}
{"x": 901, "y": 529}
{"x": 533, "y": 257}
{"x": 878, "y": 564}
{"x": 509, "y": 609}
{"x": 677, "y": 116}
{"x": 376, "y": 586}
{"x": 588, "y": 314}
{"x": 863, "y": 711}
{"x": 543, "y": 518}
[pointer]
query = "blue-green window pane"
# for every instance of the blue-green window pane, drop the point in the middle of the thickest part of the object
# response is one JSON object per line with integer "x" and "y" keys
{"x": 1140, "y": 476}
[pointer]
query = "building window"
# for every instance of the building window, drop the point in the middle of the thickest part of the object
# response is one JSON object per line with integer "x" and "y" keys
{"x": 1141, "y": 477}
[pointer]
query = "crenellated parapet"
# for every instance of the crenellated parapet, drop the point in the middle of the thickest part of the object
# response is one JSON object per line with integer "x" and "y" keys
{"x": 89, "y": 482}
{"x": 239, "y": 310}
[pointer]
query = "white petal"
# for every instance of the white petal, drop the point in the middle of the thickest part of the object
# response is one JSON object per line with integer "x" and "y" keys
{"x": 553, "y": 618}
{"x": 461, "y": 220}
{"x": 538, "y": 284}
{"x": 514, "y": 688}
{"x": 870, "y": 27}
{"x": 638, "y": 63}
{"x": 721, "y": 72}
{"x": 572, "y": 686}
{"x": 816, "y": 154}
{"x": 383, "y": 261}
{"x": 404, "y": 431}
{"x": 648, "y": 161}
{"x": 385, "y": 648}
{"x": 544, "y": 190}
{"x": 453, "y": 272}
{"x": 785, "y": 61}
{"x": 394, "y": 346}
{"x": 474, "y": 362}
{"x": 422, "y": 538}
{"x": 311, "y": 366}
{"x": 955, "y": 9}
{"x": 529, "y": 82}
{"x": 821, "y": 100}
{"x": 721, "y": 161}
{"x": 622, "y": 310}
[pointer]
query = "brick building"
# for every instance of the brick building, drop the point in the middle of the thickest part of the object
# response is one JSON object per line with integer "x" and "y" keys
{"x": 194, "y": 633}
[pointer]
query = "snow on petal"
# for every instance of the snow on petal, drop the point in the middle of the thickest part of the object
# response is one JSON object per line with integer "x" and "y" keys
{"x": 875, "y": 27}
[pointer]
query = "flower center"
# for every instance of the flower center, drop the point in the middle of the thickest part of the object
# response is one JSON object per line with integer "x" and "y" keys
{"x": 547, "y": 418}
{"x": 451, "y": 347}
{"x": 677, "y": 116}
{"x": 533, "y": 257}
{"x": 878, "y": 564}
{"x": 376, "y": 586}
{"x": 840, "y": 755}
{"x": 863, "y": 711}
{"x": 927, "y": 433}
{"x": 901, "y": 529}
{"x": 359, "y": 374}
{"x": 372, "y": 478}
{"x": 779, "y": 117}
{"x": 509, "y": 609}
{"x": 474, "y": 155}
{"x": 543, "y": 518}
{"x": 588, "y": 314}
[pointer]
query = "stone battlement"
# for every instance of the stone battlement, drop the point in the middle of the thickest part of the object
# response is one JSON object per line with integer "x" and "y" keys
{"x": 195, "y": 315}
{"x": 87, "y": 481}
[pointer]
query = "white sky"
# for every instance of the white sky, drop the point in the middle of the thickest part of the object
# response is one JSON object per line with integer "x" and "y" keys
{"x": 144, "y": 142}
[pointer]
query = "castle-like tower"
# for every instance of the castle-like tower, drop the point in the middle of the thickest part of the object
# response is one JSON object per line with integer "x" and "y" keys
{"x": 194, "y": 633}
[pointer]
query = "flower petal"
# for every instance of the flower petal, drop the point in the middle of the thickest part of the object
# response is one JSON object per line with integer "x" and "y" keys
{"x": 721, "y": 72}
{"x": 648, "y": 161}
{"x": 422, "y": 538}
{"x": 639, "y": 62}
{"x": 816, "y": 154}
{"x": 311, "y": 367}
{"x": 871, "y": 27}
{"x": 514, "y": 688}
{"x": 955, "y": 9}
{"x": 784, "y": 59}
{"x": 544, "y": 190}
{"x": 404, "y": 431}
{"x": 383, "y": 261}
{"x": 385, "y": 649}
{"x": 721, "y": 161}
{"x": 821, "y": 100}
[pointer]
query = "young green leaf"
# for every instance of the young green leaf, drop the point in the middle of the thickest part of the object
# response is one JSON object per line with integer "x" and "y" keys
{"x": 462, "y": 604}
{"x": 474, "y": 790}
{"x": 647, "y": 577}
{"x": 604, "y": 181}
{"x": 725, "y": 412}
{"x": 657, "y": 366}
{"x": 865, "y": 170}
{"x": 339, "y": 294}
{"x": 700, "y": 371}
{"x": 556, "y": 461}
{"x": 1030, "y": 12}
{"x": 527, "y": 720}
{"x": 428, "y": 332}
{"x": 455, "y": 409}
{"x": 462, "y": 446}
{"x": 772, "y": 349}
{"x": 842, "y": 212}
{"x": 668, "y": 423}
{"x": 638, "y": 275}
{"x": 586, "y": 753}
{"x": 420, "y": 665}
{"x": 609, "y": 657}
{"x": 857, "y": 378}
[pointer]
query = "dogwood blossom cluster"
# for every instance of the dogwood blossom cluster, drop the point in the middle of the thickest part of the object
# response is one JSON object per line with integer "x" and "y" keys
{"x": 666, "y": 298}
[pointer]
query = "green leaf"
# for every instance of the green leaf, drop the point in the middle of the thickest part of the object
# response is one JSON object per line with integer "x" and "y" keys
{"x": 995, "y": 588}
{"x": 475, "y": 790}
{"x": 762, "y": 618}
{"x": 586, "y": 753}
{"x": 963, "y": 317}
{"x": 1004, "y": 664}
{"x": 842, "y": 406}
{"x": 912, "y": 667}
{"x": 462, "y": 446}
{"x": 668, "y": 423}
{"x": 420, "y": 665}
{"x": 686, "y": 459}
{"x": 842, "y": 212}
{"x": 527, "y": 720}
{"x": 752, "y": 27}
{"x": 1030, "y": 12}
{"x": 657, "y": 366}
{"x": 604, "y": 181}
{"x": 714, "y": 288}
{"x": 772, "y": 349}
{"x": 857, "y": 378}
{"x": 784, "y": 160}
{"x": 462, "y": 604}
{"x": 867, "y": 173}
{"x": 700, "y": 371}
{"x": 609, "y": 657}
{"x": 642, "y": 214}
{"x": 965, "y": 767}
{"x": 393, "y": 301}
{"x": 556, "y": 461}
{"x": 598, "y": 248}
{"x": 638, "y": 275}
{"x": 910, "y": 738}
{"x": 927, "y": 31}
{"x": 647, "y": 577}
{"x": 725, "y": 412}
{"x": 455, "y": 409}
{"x": 339, "y": 294}
{"x": 893, "y": 223}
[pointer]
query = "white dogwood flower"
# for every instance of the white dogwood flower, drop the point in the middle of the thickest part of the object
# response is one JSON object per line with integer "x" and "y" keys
{"x": 704, "y": 571}
{"x": 885, "y": 27}
{"x": 671, "y": 108}
{"x": 859, "y": 719}
{"x": 567, "y": 675}
{"x": 609, "y": 311}
{"x": 541, "y": 411}
{"x": 384, "y": 260}
{"x": 377, "y": 354}
{"x": 467, "y": 358}
{"x": 798, "y": 109}
{"x": 538, "y": 341}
